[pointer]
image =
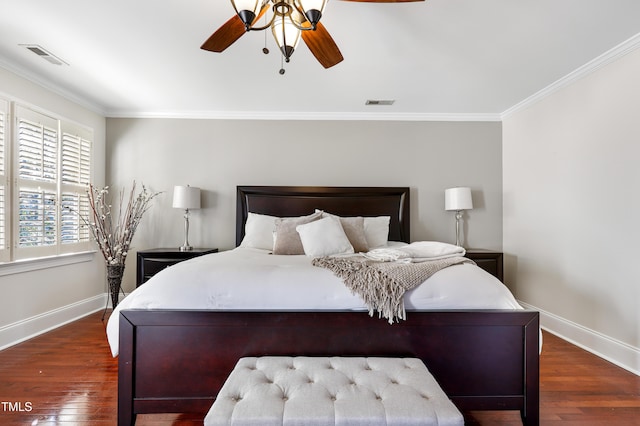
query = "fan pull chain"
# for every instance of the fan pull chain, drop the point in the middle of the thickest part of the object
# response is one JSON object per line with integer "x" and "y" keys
{"x": 282, "y": 71}
{"x": 265, "y": 50}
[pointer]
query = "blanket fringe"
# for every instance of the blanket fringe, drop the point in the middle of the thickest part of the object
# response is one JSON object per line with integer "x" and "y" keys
{"x": 382, "y": 285}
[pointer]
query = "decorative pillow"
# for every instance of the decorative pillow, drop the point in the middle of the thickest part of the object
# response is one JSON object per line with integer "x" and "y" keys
{"x": 354, "y": 228}
{"x": 258, "y": 231}
{"x": 376, "y": 230}
{"x": 286, "y": 239}
{"x": 324, "y": 237}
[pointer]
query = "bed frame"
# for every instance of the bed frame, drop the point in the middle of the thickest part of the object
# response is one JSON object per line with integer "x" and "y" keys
{"x": 175, "y": 361}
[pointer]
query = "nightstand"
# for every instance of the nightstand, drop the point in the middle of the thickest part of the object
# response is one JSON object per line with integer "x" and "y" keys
{"x": 152, "y": 261}
{"x": 490, "y": 261}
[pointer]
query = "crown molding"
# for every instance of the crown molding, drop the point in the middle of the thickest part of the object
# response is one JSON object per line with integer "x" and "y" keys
{"x": 312, "y": 116}
{"x": 248, "y": 115}
{"x": 47, "y": 85}
{"x": 606, "y": 58}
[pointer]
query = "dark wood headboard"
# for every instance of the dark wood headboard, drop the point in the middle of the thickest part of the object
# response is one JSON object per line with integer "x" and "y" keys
{"x": 288, "y": 201}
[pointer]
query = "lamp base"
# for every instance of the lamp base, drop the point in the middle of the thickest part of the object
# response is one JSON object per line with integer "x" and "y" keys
{"x": 458, "y": 217}
{"x": 186, "y": 246}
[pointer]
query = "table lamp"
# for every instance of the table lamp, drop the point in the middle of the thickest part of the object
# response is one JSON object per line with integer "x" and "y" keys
{"x": 186, "y": 198}
{"x": 458, "y": 199}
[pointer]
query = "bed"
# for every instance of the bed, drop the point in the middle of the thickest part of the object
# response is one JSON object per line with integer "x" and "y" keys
{"x": 175, "y": 360}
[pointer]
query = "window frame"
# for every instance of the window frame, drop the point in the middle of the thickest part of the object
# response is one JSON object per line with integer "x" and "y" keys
{"x": 5, "y": 195}
{"x": 63, "y": 185}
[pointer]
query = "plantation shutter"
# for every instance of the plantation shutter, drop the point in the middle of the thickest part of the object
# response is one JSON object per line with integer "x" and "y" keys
{"x": 75, "y": 160}
{"x": 4, "y": 214}
{"x": 36, "y": 227}
{"x": 45, "y": 171}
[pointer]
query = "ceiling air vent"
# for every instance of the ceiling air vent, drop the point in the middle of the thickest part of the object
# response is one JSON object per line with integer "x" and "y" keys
{"x": 379, "y": 102}
{"x": 44, "y": 54}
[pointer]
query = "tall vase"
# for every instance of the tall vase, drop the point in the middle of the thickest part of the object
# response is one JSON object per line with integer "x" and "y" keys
{"x": 114, "y": 279}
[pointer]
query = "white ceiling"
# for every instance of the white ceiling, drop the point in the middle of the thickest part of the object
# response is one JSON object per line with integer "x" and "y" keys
{"x": 438, "y": 58}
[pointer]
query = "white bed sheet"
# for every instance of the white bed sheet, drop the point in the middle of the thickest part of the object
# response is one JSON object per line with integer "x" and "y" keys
{"x": 253, "y": 279}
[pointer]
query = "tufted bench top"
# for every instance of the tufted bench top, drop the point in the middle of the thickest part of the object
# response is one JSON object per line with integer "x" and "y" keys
{"x": 331, "y": 391}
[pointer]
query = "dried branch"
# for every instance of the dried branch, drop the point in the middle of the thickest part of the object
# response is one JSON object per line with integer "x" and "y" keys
{"x": 114, "y": 235}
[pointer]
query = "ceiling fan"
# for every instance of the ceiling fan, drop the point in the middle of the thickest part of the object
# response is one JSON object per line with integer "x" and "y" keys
{"x": 290, "y": 20}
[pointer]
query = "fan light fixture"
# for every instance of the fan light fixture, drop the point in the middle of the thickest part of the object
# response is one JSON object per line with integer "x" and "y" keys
{"x": 290, "y": 21}
{"x": 289, "y": 18}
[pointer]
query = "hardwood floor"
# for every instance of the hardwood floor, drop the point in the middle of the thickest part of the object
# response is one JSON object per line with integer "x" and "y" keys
{"x": 68, "y": 377}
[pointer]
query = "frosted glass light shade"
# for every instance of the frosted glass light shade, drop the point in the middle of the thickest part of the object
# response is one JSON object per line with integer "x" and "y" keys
{"x": 247, "y": 10}
{"x": 252, "y": 6}
{"x": 313, "y": 9}
{"x": 186, "y": 197}
{"x": 286, "y": 34}
{"x": 307, "y": 5}
{"x": 458, "y": 198}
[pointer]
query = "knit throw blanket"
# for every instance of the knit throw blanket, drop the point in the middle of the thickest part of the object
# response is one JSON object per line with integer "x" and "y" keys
{"x": 382, "y": 284}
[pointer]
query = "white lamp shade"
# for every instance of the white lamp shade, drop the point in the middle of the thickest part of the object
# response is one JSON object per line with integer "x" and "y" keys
{"x": 458, "y": 199}
{"x": 186, "y": 197}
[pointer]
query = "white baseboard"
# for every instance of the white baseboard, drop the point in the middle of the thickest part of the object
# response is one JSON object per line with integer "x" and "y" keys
{"x": 614, "y": 351}
{"x": 20, "y": 331}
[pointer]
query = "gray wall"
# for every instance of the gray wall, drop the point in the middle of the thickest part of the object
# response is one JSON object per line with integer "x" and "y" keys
{"x": 37, "y": 299}
{"x": 571, "y": 200}
{"x": 218, "y": 155}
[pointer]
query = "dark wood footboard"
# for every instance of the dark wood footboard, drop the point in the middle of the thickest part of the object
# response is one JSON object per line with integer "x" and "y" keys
{"x": 175, "y": 361}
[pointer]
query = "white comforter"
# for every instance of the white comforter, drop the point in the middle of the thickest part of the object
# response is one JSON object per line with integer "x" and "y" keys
{"x": 252, "y": 279}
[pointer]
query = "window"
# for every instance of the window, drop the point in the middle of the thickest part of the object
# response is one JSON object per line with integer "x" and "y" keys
{"x": 75, "y": 169}
{"x": 50, "y": 171}
{"x": 4, "y": 246}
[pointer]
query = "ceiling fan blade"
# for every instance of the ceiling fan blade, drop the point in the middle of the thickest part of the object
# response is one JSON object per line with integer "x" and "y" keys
{"x": 322, "y": 46}
{"x": 225, "y": 36}
{"x": 228, "y": 33}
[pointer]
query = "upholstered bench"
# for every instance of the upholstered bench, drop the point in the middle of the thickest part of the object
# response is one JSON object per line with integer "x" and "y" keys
{"x": 331, "y": 391}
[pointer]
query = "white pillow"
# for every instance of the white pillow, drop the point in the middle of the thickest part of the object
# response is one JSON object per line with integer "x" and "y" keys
{"x": 376, "y": 231}
{"x": 286, "y": 239}
{"x": 258, "y": 231}
{"x": 354, "y": 229}
{"x": 324, "y": 237}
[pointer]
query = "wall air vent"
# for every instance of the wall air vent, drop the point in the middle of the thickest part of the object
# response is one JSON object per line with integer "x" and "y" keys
{"x": 44, "y": 54}
{"x": 379, "y": 102}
